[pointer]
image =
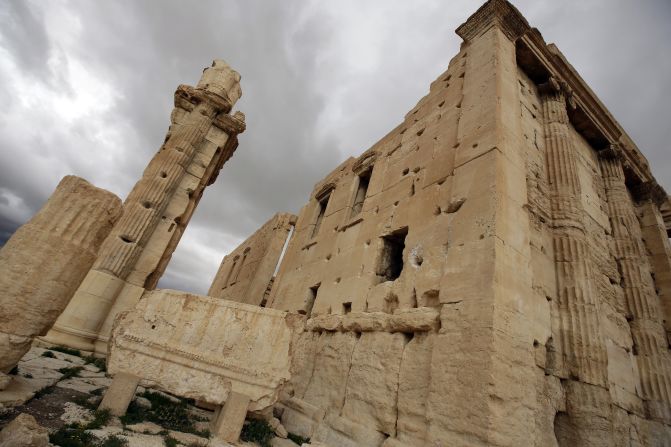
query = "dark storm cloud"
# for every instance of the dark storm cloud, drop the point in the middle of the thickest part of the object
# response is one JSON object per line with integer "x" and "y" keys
{"x": 86, "y": 88}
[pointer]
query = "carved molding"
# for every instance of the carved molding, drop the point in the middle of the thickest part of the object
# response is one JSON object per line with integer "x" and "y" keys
{"x": 650, "y": 190}
{"x": 498, "y": 13}
{"x": 612, "y": 152}
{"x": 364, "y": 162}
{"x": 231, "y": 124}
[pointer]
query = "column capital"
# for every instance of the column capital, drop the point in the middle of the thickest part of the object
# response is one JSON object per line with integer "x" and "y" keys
{"x": 499, "y": 13}
{"x": 612, "y": 152}
{"x": 231, "y": 124}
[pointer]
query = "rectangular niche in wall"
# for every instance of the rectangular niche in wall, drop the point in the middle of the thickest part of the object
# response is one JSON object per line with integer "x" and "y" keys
{"x": 323, "y": 202}
{"x": 390, "y": 261}
{"x": 310, "y": 300}
{"x": 361, "y": 191}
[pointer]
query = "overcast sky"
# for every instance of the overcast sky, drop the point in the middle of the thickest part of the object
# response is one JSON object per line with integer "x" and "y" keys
{"x": 86, "y": 88}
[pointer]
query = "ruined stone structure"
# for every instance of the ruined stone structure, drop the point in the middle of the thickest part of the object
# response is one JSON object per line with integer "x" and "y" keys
{"x": 246, "y": 274}
{"x": 46, "y": 259}
{"x": 496, "y": 271}
{"x": 493, "y": 272}
{"x": 202, "y": 137}
{"x": 201, "y": 347}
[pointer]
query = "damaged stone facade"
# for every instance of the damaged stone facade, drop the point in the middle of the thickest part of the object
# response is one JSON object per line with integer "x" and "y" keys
{"x": 246, "y": 274}
{"x": 494, "y": 271}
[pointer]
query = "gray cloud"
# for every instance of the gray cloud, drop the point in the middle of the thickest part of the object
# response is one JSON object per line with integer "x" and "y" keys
{"x": 86, "y": 88}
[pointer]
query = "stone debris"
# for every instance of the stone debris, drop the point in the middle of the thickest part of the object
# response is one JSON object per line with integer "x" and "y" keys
{"x": 46, "y": 259}
{"x": 24, "y": 431}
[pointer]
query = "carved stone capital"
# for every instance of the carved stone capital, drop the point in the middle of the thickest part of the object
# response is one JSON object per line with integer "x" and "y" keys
{"x": 499, "y": 13}
{"x": 231, "y": 124}
{"x": 650, "y": 190}
{"x": 186, "y": 97}
{"x": 612, "y": 152}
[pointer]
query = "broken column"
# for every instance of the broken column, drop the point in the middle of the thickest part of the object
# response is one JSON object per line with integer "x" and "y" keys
{"x": 44, "y": 262}
{"x": 202, "y": 137}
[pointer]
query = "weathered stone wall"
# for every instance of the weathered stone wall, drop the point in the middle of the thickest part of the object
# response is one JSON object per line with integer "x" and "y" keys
{"x": 202, "y": 137}
{"x": 45, "y": 260}
{"x": 494, "y": 287}
{"x": 245, "y": 274}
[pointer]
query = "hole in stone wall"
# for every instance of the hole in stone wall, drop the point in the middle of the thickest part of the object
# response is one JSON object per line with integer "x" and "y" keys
{"x": 405, "y": 171}
{"x": 563, "y": 430}
{"x": 390, "y": 261}
{"x": 346, "y": 308}
{"x": 163, "y": 174}
{"x": 310, "y": 300}
{"x": 126, "y": 239}
{"x": 430, "y": 298}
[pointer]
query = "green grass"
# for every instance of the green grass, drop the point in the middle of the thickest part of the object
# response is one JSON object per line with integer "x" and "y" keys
{"x": 98, "y": 362}
{"x": 64, "y": 350}
{"x": 298, "y": 439}
{"x": 113, "y": 441}
{"x": 164, "y": 412}
{"x": 257, "y": 430}
{"x": 44, "y": 391}
{"x": 70, "y": 371}
{"x": 170, "y": 441}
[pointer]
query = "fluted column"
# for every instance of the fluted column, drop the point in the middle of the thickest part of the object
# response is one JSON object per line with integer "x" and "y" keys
{"x": 202, "y": 137}
{"x": 46, "y": 259}
{"x": 641, "y": 301}
{"x": 582, "y": 346}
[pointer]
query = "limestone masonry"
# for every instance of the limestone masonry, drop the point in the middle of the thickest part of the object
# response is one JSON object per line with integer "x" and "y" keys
{"x": 495, "y": 271}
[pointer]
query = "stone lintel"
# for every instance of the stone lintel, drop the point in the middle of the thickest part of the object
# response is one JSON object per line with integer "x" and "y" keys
{"x": 650, "y": 190}
{"x": 498, "y": 13}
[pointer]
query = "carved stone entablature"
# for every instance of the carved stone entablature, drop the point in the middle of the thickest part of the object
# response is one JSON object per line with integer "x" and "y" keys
{"x": 200, "y": 347}
{"x": 494, "y": 13}
{"x": 365, "y": 161}
{"x": 324, "y": 190}
{"x": 650, "y": 191}
{"x": 231, "y": 124}
{"x": 187, "y": 94}
{"x": 612, "y": 152}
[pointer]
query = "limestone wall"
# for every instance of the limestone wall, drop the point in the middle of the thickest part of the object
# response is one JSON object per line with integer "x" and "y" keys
{"x": 492, "y": 285}
{"x": 45, "y": 260}
{"x": 246, "y": 273}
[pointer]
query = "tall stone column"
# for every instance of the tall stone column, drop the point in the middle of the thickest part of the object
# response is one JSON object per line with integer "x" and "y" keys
{"x": 201, "y": 138}
{"x": 584, "y": 359}
{"x": 46, "y": 259}
{"x": 641, "y": 301}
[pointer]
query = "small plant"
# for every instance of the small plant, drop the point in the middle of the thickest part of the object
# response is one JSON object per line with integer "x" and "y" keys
{"x": 100, "y": 418}
{"x": 64, "y": 350}
{"x": 164, "y": 412}
{"x": 44, "y": 392}
{"x": 257, "y": 430}
{"x": 298, "y": 439}
{"x": 83, "y": 401}
{"x": 97, "y": 392}
{"x": 98, "y": 362}
{"x": 169, "y": 441}
{"x": 14, "y": 371}
{"x": 48, "y": 354}
{"x": 113, "y": 441}
{"x": 72, "y": 435}
{"x": 69, "y": 372}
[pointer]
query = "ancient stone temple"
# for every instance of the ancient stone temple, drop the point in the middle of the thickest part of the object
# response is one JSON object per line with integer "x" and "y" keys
{"x": 202, "y": 137}
{"x": 495, "y": 271}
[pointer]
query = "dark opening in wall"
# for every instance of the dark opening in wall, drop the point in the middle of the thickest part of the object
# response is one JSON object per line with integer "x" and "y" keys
{"x": 361, "y": 191}
{"x": 346, "y": 308}
{"x": 390, "y": 263}
{"x": 310, "y": 300}
{"x": 323, "y": 202}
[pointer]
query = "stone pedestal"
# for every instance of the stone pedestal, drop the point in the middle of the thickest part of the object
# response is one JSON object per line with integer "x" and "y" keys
{"x": 44, "y": 262}
{"x": 120, "y": 394}
{"x": 229, "y": 419}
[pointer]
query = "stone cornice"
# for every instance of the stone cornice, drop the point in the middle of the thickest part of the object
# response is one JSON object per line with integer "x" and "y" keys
{"x": 185, "y": 95}
{"x": 494, "y": 13}
{"x": 600, "y": 127}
